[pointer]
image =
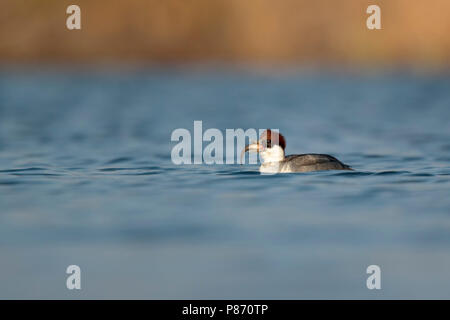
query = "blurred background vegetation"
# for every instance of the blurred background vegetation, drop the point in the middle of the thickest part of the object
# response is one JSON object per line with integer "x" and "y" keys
{"x": 257, "y": 31}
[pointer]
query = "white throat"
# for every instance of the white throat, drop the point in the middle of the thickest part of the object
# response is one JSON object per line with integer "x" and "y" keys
{"x": 273, "y": 154}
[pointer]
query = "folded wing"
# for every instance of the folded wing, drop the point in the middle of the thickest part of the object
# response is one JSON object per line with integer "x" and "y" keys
{"x": 312, "y": 162}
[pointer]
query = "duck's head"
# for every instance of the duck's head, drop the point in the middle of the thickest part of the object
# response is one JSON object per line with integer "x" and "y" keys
{"x": 270, "y": 146}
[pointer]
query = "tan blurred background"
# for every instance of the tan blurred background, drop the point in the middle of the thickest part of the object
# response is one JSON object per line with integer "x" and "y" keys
{"x": 300, "y": 31}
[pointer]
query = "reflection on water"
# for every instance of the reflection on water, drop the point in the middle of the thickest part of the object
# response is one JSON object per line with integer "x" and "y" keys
{"x": 86, "y": 178}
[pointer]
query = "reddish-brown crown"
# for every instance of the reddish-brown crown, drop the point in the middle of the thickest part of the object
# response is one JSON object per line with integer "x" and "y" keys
{"x": 275, "y": 138}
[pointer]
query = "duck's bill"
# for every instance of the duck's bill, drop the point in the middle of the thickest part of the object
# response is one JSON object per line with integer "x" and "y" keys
{"x": 254, "y": 147}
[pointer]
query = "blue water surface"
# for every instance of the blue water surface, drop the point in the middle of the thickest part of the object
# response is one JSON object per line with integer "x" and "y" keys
{"x": 86, "y": 178}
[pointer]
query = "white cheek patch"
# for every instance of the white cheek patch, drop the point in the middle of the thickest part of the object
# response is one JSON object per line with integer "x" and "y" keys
{"x": 274, "y": 154}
